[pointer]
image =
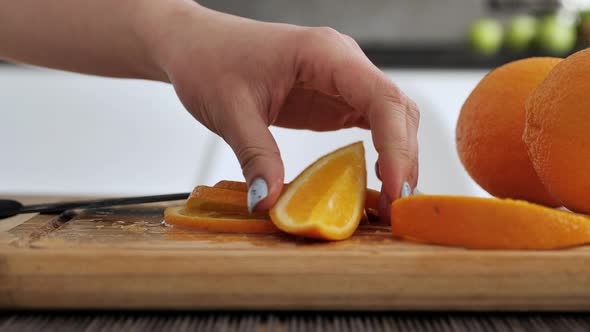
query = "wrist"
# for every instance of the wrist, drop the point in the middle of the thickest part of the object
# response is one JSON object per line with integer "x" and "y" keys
{"x": 155, "y": 25}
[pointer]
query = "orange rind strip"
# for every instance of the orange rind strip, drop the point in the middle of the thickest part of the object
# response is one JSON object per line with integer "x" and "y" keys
{"x": 487, "y": 223}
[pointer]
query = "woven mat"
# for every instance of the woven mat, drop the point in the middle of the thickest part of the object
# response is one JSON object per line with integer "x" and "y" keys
{"x": 304, "y": 322}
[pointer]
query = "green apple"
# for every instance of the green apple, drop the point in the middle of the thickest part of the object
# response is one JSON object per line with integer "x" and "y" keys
{"x": 556, "y": 36}
{"x": 485, "y": 36}
{"x": 521, "y": 32}
{"x": 584, "y": 28}
{"x": 584, "y": 15}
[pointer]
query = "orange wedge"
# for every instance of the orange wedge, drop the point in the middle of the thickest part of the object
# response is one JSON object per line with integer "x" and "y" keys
{"x": 326, "y": 200}
{"x": 215, "y": 221}
{"x": 487, "y": 223}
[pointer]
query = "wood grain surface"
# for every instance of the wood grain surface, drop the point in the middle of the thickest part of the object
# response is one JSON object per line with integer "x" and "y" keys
{"x": 125, "y": 259}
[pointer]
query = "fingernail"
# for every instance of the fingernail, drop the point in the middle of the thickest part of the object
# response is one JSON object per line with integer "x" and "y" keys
{"x": 406, "y": 190}
{"x": 257, "y": 191}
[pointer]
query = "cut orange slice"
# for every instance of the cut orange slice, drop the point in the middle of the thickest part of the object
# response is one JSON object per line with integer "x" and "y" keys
{"x": 487, "y": 223}
{"x": 237, "y": 185}
{"x": 232, "y": 185}
{"x": 215, "y": 221}
{"x": 205, "y": 198}
{"x": 372, "y": 202}
{"x": 217, "y": 199}
{"x": 326, "y": 200}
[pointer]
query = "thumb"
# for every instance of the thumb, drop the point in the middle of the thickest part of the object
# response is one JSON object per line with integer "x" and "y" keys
{"x": 256, "y": 149}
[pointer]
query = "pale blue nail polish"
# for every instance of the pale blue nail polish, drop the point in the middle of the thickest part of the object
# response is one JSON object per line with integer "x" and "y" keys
{"x": 257, "y": 191}
{"x": 406, "y": 190}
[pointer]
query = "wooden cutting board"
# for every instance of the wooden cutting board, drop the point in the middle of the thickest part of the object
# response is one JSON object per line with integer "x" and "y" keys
{"x": 125, "y": 258}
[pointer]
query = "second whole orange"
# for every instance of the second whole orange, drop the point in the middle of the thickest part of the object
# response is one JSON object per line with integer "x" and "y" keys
{"x": 557, "y": 131}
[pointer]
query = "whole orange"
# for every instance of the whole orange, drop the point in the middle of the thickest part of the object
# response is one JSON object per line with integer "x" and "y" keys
{"x": 489, "y": 131}
{"x": 557, "y": 131}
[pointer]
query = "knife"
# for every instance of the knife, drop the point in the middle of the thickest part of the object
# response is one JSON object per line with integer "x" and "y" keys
{"x": 9, "y": 208}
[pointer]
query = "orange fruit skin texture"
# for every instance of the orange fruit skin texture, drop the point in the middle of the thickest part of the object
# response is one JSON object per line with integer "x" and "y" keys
{"x": 557, "y": 131}
{"x": 486, "y": 223}
{"x": 490, "y": 127}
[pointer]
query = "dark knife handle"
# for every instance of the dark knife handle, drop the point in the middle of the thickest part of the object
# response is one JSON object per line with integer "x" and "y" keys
{"x": 10, "y": 208}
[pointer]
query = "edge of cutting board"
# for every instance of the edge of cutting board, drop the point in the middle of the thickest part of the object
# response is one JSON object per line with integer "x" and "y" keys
{"x": 290, "y": 279}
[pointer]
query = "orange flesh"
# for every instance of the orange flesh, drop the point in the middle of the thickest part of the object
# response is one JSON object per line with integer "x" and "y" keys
{"x": 482, "y": 223}
{"x": 315, "y": 203}
{"x": 326, "y": 200}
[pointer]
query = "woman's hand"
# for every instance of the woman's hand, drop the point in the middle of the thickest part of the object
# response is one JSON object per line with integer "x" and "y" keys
{"x": 239, "y": 76}
{"x": 236, "y": 76}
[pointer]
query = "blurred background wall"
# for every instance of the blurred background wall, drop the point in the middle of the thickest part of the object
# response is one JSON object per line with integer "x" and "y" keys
{"x": 374, "y": 21}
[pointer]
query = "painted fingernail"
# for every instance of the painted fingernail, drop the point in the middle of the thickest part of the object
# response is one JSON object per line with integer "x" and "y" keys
{"x": 406, "y": 190}
{"x": 257, "y": 191}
